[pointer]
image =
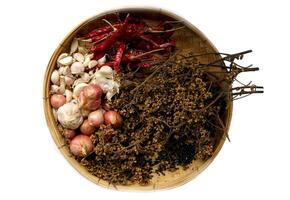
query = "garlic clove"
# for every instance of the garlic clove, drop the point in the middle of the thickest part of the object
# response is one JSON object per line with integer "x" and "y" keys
{"x": 86, "y": 61}
{"x": 68, "y": 95}
{"x": 77, "y": 68}
{"x": 62, "y": 85}
{"x": 79, "y": 57}
{"x": 68, "y": 80}
{"x": 106, "y": 71}
{"x": 91, "y": 72}
{"x": 102, "y": 60}
{"x": 66, "y": 60}
{"x": 61, "y": 56}
{"x": 74, "y": 45}
{"x": 55, "y": 77}
{"x": 92, "y": 64}
{"x": 63, "y": 70}
{"x": 86, "y": 77}
{"x": 54, "y": 89}
{"x": 77, "y": 89}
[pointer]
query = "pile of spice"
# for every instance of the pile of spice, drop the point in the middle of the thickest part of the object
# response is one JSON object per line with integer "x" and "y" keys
{"x": 130, "y": 107}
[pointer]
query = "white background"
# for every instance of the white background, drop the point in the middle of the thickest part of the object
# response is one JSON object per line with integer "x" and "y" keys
{"x": 255, "y": 165}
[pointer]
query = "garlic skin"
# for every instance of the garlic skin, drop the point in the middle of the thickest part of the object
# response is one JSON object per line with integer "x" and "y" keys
{"x": 69, "y": 115}
{"x": 77, "y": 89}
{"x": 77, "y": 68}
{"x": 55, "y": 77}
{"x": 54, "y": 112}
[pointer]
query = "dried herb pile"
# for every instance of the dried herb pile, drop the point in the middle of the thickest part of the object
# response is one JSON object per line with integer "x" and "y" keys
{"x": 172, "y": 116}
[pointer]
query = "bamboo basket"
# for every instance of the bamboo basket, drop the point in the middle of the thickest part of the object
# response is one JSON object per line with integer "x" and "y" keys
{"x": 190, "y": 37}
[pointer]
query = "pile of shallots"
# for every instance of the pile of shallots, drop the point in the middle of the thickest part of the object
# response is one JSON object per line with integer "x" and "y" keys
{"x": 79, "y": 92}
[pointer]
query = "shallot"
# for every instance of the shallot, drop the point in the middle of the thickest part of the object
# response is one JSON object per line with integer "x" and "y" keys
{"x": 69, "y": 133}
{"x": 113, "y": 118}
{"x": 81, "y": 145}
{"x": 57, "y": 100}
{"x": 90, "y": 97}
{"x": 86, "y": 128}
{"x": 96, "y": 118}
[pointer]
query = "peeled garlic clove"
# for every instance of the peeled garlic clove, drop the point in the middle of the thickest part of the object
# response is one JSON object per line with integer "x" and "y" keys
{"x": 79, "y": 57}
{"x": 77, "y": 68}
{"x": 54, "y": 89}
{"x": 78, "y": 89}
{"x": 69, "y": 115}
{"x": 68, "y": 80}
{"x": 68, "y": 95}
{"x": 55, "y": 77}
{"x": 102, "y": 60}
{"x": 66, "y": 60}
{"x": 92, "y": 64}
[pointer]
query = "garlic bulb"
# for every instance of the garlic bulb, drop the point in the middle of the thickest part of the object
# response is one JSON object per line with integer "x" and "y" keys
{"x": 69, "y": 115}
{"x": 77, "y": 68}
{"x": 55, "y": 77}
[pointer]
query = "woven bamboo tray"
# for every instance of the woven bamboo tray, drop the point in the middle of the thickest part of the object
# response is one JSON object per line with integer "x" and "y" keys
{"x": 188, "y": 38}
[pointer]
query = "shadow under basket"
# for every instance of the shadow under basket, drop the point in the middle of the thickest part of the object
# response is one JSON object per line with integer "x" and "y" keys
{"x": 188, "y": 38}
